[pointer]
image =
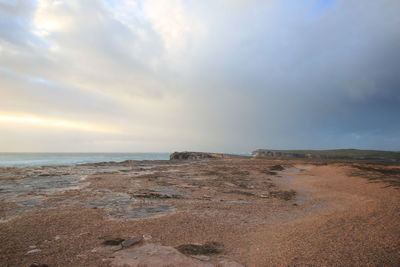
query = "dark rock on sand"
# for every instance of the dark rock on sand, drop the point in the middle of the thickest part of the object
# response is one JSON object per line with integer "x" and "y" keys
{"x": 208, "y": 248}
{"x": 113, "y": 241}
{"x": 277, "y": 168}
{"x": 132, "y": 241}
{"x": 282, "y": 194}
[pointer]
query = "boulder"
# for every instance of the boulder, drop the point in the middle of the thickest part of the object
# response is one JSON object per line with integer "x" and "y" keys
{"x": 152, "y": 254}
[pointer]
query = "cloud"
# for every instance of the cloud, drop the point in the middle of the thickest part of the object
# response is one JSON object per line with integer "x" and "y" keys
{"x": 206, "y": 75}
{"x": 55, "y": 123}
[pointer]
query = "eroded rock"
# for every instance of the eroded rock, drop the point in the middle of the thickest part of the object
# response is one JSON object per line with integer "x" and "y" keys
{"x": 277, "y": 168}
{"x": 151, "y": 254}
{"x": 113, "y": 241}
{"x": 132, "y": 241}
{"x": 190, "y": 155}
{"x": 208, "y": 248}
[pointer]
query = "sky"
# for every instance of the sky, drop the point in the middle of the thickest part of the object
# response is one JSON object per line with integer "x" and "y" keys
{"x": 210, "y": 75}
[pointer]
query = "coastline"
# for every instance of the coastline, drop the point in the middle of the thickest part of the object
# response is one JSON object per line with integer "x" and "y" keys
{"x": 69, "y": 159}
{"x": 249, "y": 209}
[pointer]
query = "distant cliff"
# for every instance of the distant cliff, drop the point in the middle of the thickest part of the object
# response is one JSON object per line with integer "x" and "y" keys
{"x": 346, "y": 154}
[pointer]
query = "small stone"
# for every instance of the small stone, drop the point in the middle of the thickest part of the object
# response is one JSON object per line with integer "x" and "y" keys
{"x": 57, "y": 237}
{"x": 147, "y": 237}
{"x": 201, "y": 257}
{"x": 131, "y": 242}
{"x": 81, "y": 255}
{"x": 85, "y": 233}
{"x": 32, "y": 247}
{"x": 33, "y": 251}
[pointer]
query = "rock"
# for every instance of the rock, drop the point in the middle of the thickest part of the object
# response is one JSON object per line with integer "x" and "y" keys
{"x": 147, "y": 237}
{"x": 83, "y": 256}
{"x": 276, "y": 168}
{"x": 160, "y": 192}
{"x": 85, "y": 233}
{"x": 190, "y": 155}
{"x": 57, "y": 237}
{"x": 131, "y": 242}
{"x": 208, "y": 248}
{"x": 108, "y": 249}
{"x": 33, "y": 251}
{"x": 147, "y": 211}
{"x": 201, "y": 257}
{"x": 113, "y": 241}
{"x": 282, "y": 194}
{"x": 151, "y": 254}
{"x": 229, "y": 263}
{"x": 32, "y": 247}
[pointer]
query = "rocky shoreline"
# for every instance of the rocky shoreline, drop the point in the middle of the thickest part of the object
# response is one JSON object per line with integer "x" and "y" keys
{"x": 197, "y": 209}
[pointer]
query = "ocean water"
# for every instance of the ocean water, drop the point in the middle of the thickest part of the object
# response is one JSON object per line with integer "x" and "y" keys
{"x": 59, "y": 159}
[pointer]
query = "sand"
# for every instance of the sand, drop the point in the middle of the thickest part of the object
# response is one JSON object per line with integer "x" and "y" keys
{"x": 307, "y": 214}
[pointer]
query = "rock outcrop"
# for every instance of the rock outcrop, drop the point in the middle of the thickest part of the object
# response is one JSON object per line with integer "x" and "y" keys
{"x": 153, "y": 254}
{"x": 190, "y": 155}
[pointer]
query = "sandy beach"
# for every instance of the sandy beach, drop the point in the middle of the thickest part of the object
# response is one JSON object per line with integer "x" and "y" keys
{"x": 208, "y": 212}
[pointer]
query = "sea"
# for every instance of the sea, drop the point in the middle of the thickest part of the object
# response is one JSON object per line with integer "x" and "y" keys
{"x": 62, "y": 159}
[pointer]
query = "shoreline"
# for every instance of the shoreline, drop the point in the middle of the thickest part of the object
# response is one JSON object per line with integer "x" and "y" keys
{"x": 248, "y": 212}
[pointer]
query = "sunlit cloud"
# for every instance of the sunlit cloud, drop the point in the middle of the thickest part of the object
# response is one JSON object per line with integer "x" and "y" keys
{"x": 56, "y": 123}
{"x": 50, "y": 17}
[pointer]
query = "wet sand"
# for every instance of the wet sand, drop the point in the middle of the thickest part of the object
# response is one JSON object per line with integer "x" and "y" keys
{"x": 260, "y": 215}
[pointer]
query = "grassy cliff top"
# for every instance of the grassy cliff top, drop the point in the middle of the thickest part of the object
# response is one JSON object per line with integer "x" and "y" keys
{"x": 346, "y": 153}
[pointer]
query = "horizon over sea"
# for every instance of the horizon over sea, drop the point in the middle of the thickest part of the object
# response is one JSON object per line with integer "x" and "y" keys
{"x": 27, "y": 159}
